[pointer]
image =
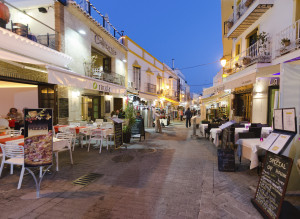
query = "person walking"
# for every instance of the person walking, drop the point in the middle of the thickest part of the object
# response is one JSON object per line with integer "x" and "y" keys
{"x": 188, "y": 115}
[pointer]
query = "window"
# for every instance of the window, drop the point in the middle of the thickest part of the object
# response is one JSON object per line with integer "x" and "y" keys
{"x": 101, "y": 60}
{"x": 252, "y": 38}
{"x": 137, "y": 77}
{"x": 237, "y": 49}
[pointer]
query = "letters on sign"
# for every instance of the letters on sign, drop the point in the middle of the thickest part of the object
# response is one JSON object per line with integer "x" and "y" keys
{"x": 100, "y": 41}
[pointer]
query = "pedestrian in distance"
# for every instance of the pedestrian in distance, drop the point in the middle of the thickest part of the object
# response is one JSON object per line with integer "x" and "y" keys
{"x": 188, "y": 115}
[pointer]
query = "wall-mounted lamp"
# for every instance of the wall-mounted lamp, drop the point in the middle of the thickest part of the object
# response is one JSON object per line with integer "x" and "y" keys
{"x": 82, "y": 32}
{"x": 223, "y": 61}
{"x": 42, "y": 10}
{"x": 124, "y": 60}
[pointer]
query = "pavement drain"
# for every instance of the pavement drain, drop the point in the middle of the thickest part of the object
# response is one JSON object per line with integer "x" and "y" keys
{"x": 87, "y": 179}
{"x": 123, "y": 158}
{"x": 147, "y": 150}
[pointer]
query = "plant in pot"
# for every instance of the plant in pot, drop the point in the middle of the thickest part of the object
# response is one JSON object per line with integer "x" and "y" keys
{"x": 285, "y": 42}
{"x": 4, "y": 14}
{"x": 129, "y": 122}
{"x": 246, "y": 60}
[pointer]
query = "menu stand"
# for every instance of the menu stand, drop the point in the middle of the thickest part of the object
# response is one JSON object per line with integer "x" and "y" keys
{"x": 37, "y": 184}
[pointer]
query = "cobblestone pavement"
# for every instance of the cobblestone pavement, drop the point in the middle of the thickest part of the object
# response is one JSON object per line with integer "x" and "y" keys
{"x": 178, "y": 179}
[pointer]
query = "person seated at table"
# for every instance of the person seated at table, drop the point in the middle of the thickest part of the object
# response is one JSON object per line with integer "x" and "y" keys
{"x": 121, "y": 114}
{"x": 112, "y": 113}
{"x": 138, "y": 115}
{"x": 14, "y": 115}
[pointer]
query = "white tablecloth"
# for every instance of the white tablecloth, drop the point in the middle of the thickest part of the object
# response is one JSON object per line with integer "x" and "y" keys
{"x": 215, "y": 132}
{"x": 202, "y": 128}
{"x": 249, "y": 149}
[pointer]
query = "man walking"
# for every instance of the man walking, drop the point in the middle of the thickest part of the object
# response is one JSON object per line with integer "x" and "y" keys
{"x": 188, "y": 115}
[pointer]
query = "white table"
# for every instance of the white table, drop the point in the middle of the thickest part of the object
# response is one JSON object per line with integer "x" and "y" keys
{"x": 249, "y": 149}
{"x": 215, "y": 132}
{"x": 202, "y": 128}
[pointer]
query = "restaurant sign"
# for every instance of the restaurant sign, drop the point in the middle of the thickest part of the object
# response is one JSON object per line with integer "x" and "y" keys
{"x": 38, "y": 142}
{"x": 100, "y": 41}
{"x": 101, "y": 87}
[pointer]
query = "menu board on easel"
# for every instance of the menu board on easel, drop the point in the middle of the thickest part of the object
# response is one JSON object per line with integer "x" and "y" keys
{"x": 272, "y": 185}
{"x": 38, "y": 137}
{"x": 118, "y": 132}
{"x": 285, "y": 120}
{"x": 278, "y": 124}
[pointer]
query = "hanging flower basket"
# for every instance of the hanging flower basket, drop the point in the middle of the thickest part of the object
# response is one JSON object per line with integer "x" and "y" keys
{"x": 4, "y": 15}
{"x": 229, "y": 24}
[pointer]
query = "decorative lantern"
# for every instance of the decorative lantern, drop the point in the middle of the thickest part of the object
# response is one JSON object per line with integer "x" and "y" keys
{"x": 4, "y": 15}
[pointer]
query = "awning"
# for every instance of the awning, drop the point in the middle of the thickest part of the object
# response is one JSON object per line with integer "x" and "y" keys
{"x": 147, "y": 96}
{"x": 5, "y": 55}
{"x": 231, "y": 84}
{"x": 68, "y": 78}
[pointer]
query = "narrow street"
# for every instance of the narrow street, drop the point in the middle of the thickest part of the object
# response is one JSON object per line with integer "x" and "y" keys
{"x": 168, "y": 175}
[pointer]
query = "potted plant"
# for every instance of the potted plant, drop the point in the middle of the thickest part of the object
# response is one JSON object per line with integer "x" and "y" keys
{"x": 285, "y": 42}
{"x": 246, "y": 60}
{"x": 130, "y": 120}
{"x": 248, "y": 3}
{"x": 89, "y": 64}
{"x": 229, "y": 24}
{"x": 4, "y": 14}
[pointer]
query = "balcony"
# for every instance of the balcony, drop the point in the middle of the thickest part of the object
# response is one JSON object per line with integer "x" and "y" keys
{"x": 259, "y": 52}
{"x": 28, "y": 32}
{"x": 288, "y": 40}
{"x": 244, "y": 15}
{"x": 27, "y": 23}
{"x": 150, "y": 88}
{"x": 111, "y": 77}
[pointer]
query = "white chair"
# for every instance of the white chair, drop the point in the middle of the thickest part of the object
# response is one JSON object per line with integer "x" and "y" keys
{"x": 58, "y": 148}
{"x": 74, "y": 134}
{"x": 13, "y": 132}
{"x": 84, "y": 132}
{"x": 96, "y": 135}
{"x": 74, "y": 124}
{"x": 4, "y": 124}
{"x": 13, "y": 155}
{"x": 99, "y": 120}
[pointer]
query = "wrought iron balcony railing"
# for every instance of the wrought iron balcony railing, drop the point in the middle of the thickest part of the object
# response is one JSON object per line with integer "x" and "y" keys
{"x": 151, "y": 88}
{"x": 103, "y": 20}
{"x": 259, "y": 52}
{"x": 288, "y": 39}
{"x": 106, "y": 76}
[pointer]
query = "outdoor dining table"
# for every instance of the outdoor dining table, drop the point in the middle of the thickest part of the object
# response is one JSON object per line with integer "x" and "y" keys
{"x": 249, "y": 149}
{"x": 58, "y": 145}
{"x": 215, "y": 132}
{"x": 202, "y": 128}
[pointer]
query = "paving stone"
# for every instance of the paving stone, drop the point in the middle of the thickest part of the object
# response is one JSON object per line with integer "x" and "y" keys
{"x": 179, "y": 180}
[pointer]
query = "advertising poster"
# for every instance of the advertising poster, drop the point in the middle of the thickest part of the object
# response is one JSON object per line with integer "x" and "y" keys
{"x": 38, "y": 142}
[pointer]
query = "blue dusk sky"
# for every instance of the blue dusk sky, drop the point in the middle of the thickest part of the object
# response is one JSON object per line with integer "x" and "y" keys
{"x": 188, "y": 31}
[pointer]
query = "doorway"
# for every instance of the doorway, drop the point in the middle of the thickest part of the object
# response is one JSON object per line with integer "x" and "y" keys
{"x": 48, "y": 99}
{"x": 271, "y": 99}
{"x": 91, "y": 107}
{"x": 118, "y": 103}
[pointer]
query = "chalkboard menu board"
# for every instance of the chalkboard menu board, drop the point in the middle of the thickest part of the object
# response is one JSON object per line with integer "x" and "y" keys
{"x": 118, "y": 134}
{"x": 63, "y": 107}
{"x": 138, "y": 128}
{"x": 226, "y": 160}
{"x": 272, "y": 185}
